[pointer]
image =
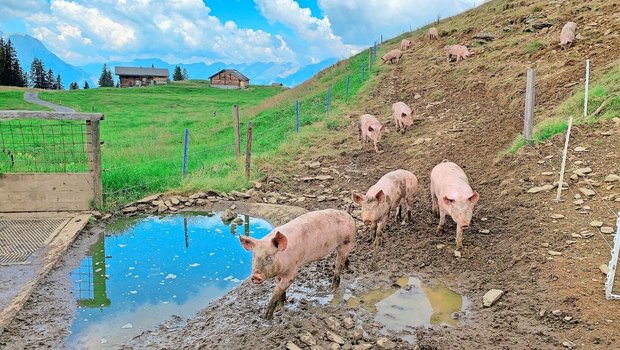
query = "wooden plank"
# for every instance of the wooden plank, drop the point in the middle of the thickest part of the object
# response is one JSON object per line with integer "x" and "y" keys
{"x": 94, "y": 160}
{"x": 9, "y": 114}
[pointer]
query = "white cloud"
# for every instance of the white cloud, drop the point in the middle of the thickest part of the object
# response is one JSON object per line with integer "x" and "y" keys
{"x": 19, "y": 8}
{"x": 361, "y": 22}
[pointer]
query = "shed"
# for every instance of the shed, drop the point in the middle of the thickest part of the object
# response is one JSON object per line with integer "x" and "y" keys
{"x": 140, "y": 76}
{"x": 229, "y": 79}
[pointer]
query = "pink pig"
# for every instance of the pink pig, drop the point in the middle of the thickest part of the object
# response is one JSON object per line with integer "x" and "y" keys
{"x": 394, "y": 191}
{"x": 405, "y": 44}
{"x": 567, "y": 36}
{"x": 391, "y": 56}
{"x": 452, "y": 195}
{"x": 459, "y": 51}
{"x": 403, "y": 116}
{"x": 370, "y": 128}
{"x": 433, "y": 34}
{"x": 309, "y": 237}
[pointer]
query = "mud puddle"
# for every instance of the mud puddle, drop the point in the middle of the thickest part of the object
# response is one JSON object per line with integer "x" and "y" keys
{"x": 143, "y": 271}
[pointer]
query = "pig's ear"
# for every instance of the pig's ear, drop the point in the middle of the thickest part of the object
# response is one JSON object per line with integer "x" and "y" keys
{"x": 357, "y": 198}
{"x": 380, "y": 196}
{"x": 279, "y": 241}
{"x": 247, "y": 242}
{"x": 370, "y": 128}
{"x": 447, "y": 200}
{"x": 474, "y": 197}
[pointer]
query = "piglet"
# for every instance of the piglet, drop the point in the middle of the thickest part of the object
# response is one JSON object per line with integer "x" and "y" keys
{"x": 393, "y": 56}
{"x": 370, "y": 128}
{"x": 567, "y": 36}
{"x": 452, "y": 195}
{"x": 309, "y": 237}
{"x": 405, "y": 44}
{"x": 458, "y": 51}
{"x": 394, "y": 191}
{"x": 403, "y": 116}
{"x": 433, "y": 34}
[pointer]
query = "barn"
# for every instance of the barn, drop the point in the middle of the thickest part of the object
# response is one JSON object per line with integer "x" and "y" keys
{"x": 140, "y": 76}
{"x": 229, "y": 79}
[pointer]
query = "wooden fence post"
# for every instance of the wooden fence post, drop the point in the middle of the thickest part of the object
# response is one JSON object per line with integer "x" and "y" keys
{"x": 369, "y": 57}
{"x": 530, "y": 101}
{"x": 564, "y": 153}
{"x": 236, "y": 130}
{"x": 248, "y": 152}
{"x": 94, "y": 159}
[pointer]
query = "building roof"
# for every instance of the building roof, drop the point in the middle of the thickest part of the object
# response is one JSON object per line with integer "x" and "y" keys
{"x": 234, "y": 72}
{"x": 140, "y": 71}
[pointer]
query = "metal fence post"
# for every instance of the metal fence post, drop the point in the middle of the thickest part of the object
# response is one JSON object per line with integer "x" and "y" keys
{"x": 347, "y": 91}
{"x": 327, "y": 101}
{"x": 369, "y": 57}
{"x": 564, "y": 153}
{"x": 613, "y": 264}
{"x": 297, "y": 116}
{"x": 185, "y": 144}
{"x": 362, "y": 72}
{"x": 375, "y": 52}
{"x": 530, "y": 101}
{"x": 585, "y": 99}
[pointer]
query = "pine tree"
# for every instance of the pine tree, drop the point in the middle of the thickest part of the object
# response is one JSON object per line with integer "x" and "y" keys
{"x": 12, "y": 73}
{"x": 2, "y": 59}
{"x": 74, "y": 86}
{"x": 59, "y": 83}
{"x": 105, "y": 79}
{"x": 38, "y": 78}
{"x": 50, "y": 80}
{"x": 86, "y": 85}
{"x": 185, "y": 75}
{"x": 178, "y": 75}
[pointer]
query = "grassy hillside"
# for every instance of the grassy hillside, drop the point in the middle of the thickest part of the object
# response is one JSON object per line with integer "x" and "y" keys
{"x": 13, "y": 98}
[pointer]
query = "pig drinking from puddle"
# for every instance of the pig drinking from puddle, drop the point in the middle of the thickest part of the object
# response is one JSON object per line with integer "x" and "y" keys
{"x": 309, "y": 237}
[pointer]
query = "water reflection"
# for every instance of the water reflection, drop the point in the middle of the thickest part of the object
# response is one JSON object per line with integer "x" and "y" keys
{"x": 142, "y": 271}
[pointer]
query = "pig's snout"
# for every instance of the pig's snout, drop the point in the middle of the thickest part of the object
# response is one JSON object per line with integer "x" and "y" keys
{"x": 367, "y": 222}
{"x": 257, "y": 278}
{"x": 465, "y": 226}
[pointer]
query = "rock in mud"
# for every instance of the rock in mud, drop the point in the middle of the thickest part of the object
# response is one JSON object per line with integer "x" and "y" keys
{"x": 587, "y": 191}
{"x": 363, "y": 346}
{"x": 457, "y": 254}
{"x": 596, "y": 223}
{"x": 292, "y": 346}
{"x": 174, "y": 201}
{"x": 554, "y": 253}
{"x": 335, "y": 338}
{"x": 385, "y": 343}
{"x": 580, "y": 149}
{"x": 308, "y": 339}
{"x": 332, "y": 323}
{"x": 149, "y": 199}
{"x": 568, "y": 344}
{"x": 491, "y": 297}
{"x": 607, "y": 229}
{"x": 240, "y": 194}
{"x": 348, "y": 323}
{"x": 314, "y": 165}
{"x": 557, "y": 216}
{"x": 545, "y": 188}
{"x": 129, "y": 210}
{"x": 604, "y": 269}
{"x": 228, "y": 215}
{"x": 612, "y": 178}
{"x": 357, "y": 334}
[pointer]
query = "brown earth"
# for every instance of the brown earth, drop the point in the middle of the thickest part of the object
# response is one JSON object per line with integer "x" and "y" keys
{"x": 470, "y": 112}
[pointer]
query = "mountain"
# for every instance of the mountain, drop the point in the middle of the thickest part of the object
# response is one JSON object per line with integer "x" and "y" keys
{"x": 28, "y": 48}
{"x": 307, "y": 72}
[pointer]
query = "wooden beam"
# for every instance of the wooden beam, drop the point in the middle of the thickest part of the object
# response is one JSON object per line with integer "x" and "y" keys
{"x": 9, "y": 114}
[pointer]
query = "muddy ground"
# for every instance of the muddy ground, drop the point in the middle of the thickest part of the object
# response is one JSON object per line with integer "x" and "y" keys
{"x": 470, "y": 113}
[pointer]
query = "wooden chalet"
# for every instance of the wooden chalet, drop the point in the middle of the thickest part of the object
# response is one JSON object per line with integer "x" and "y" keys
{"x": 229, "y": 79}
{"x": 140, "y": 76}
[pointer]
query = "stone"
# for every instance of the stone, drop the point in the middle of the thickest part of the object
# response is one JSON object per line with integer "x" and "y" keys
{"x": 485, "y": 232}
{"x": 228, "y": 215}
{"x": 607, "y": 229}
{"x": 357, "y": 334}
{"x": 580, "y": 149}
{"x": 554, "y": 253}
{"x": 174, "y": 201}
{"x": 457, "y": 254}
{"x": 314, "y": 165}
{"x": 130, "y": 210}
{"x": 440, "y": 246}
{"x": 348, "y": 323}
{"x": 201, "y": 201}
{"x": 587, "y": 191}
{"x": 127, "y": 326}
{"x": 583, "y": 171}
{"x": 96, "y": 214}
{"x": 545, "y": 188}
{"x": 612, "y": 178}
{"x": 575, "y": 235}
{"x": 491, "y": 297}
{"x": 385, "y": 343}
{"x": 484, "y": 37}
{"x": 162, "y": 208}
{"x": 168, "y": 204}
{"x": 240, "y": 194}
{"x": 596, "y": 223}
{"x": 308, "y": 339}
{"x": 557, "y": 312}
{"x": 324, "y": 177}
{"x": 578, "y": 202}
{"x": 417, "y": 96}
{"x": 363, "y": 346}
{"x": 334, "y": 346}
{"x": 106, "y": 216}
{"x": 149, "y": 199}
{"x": 335, "y": 338}
{"x": 292, "y": 346}
{"x": 568, "y": 344}
{"x": 547, "y": 173}
{"x": 557, "y": 216}
{"x": 332, "y": 323}
{"x": 604, "y": 269}
{"x": 197, "y": 195}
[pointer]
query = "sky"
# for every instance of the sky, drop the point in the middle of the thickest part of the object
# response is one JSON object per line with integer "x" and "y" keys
{"x": 297, "y": 33}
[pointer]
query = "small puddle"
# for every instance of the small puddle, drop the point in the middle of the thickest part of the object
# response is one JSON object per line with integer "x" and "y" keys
{"x": 411, "y": 303}
{"x": 142, "y": 271}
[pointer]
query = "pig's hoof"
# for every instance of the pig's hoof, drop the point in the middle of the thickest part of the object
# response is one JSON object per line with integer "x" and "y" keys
{"x": 269, "y": 314}
{"x": 439, "y": 230}
{"x": 335, "y": 282}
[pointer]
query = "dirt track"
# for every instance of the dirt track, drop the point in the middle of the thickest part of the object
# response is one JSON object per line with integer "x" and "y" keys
{"x": 477, "y": 118}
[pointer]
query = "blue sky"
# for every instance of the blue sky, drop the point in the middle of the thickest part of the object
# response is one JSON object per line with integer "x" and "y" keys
{"x": 291, "y": 32}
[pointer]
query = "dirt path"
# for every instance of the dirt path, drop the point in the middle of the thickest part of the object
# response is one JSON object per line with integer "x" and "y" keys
{"x": 33, "y": 97}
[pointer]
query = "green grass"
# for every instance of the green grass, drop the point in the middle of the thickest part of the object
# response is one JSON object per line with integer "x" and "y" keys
{"x": 605, "y": 89}
{"x": 12, "y": 99}
{"x": 534, "y": 46}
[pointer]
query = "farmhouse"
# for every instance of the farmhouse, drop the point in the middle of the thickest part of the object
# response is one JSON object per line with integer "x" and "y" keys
{"x": 139, "y": 76}
{"x": 229, "y": 79}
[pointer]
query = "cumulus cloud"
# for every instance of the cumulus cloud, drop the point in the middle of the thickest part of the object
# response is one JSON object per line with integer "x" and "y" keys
{"x": 361, "y": 22}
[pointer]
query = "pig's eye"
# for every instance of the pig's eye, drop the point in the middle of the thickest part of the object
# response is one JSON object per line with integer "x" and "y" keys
{"x": 269, "y": 259}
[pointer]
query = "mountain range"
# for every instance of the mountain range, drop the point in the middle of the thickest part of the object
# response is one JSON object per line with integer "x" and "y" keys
{"x": 260, "y": 73}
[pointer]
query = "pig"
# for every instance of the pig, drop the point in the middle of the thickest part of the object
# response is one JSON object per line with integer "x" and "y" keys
{"x": 452, "y": 195}
{"x": 309, "y": 237}
{"x": 403, "y": 116}
{"x": 370, "y": 128}
{"x": 405, "y": 44}
{"x": 394, "y": 191}
{"x": 567, "y": 36}
{"x": 433, "y": 34}
{"x": 391, "y": 56}
{"x": 459, "y": 51}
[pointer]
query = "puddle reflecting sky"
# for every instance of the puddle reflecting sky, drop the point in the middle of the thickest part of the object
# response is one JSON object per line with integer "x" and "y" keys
{"x": 144, "y": 270}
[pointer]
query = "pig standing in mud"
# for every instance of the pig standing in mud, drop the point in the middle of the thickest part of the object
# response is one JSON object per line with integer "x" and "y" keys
{"x": 567, "y": 36}
{"x": 393, "y": 191}
{"x": 405, "y": 44}
{"x": 391, "y": 56}
{"x": 452, "y": 195}
{"x": 433, "y": 34}
{"x": 370, "y": 128}
{"x": 403, "y": 116}
{"x": 458, "y": 51}
{"x": 308, "y": 238}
